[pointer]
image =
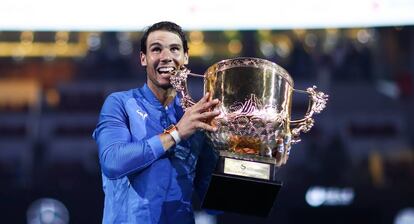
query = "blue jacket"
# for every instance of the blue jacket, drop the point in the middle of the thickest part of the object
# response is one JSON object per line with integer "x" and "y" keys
{"x": 142, "y": 183}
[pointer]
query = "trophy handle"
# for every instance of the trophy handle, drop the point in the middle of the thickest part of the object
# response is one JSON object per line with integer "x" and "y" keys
{"x": 178, "y": 80}
{"x": 317, "y": 102}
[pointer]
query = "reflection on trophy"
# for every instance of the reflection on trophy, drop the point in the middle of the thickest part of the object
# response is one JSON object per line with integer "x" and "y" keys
{"x": 255, "y": 130}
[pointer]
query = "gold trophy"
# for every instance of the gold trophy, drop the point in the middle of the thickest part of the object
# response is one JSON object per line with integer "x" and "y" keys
{"x": 255, "y": 130}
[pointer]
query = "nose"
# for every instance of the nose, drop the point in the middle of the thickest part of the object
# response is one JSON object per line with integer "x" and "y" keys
{"x": 166, "y": 55}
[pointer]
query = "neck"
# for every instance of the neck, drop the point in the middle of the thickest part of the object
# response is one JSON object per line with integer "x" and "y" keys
{"x": 165, "y": 96}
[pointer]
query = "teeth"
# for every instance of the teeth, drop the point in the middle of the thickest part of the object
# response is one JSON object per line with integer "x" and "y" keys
{"x": 169, "y": 69}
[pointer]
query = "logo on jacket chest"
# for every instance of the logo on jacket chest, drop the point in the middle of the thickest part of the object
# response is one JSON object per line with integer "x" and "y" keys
{"x": 142, "y": 114}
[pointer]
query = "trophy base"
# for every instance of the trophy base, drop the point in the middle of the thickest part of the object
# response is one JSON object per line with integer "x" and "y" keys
{"x": 243, "y": 187}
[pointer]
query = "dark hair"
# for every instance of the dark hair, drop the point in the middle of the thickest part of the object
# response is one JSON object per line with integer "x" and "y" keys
{"x": 166, "y": 26}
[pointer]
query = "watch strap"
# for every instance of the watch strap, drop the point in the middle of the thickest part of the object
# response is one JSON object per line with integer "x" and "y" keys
{"x": 172, "y": 130}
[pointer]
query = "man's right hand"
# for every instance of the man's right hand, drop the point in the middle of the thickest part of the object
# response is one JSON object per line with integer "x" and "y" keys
{"x": 195, "y": 117}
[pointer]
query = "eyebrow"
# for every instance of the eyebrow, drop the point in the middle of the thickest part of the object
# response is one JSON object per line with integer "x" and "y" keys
{"x": 176, "y": 45}
{"x": 155, "y": 44}
{"x": 171, "y": 45}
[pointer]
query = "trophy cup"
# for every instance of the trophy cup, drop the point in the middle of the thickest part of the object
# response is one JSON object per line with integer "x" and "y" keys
{"x": 255, "y": 130}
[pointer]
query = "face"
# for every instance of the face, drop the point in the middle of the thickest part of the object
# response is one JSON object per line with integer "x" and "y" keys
{"x": 165, "y": 53}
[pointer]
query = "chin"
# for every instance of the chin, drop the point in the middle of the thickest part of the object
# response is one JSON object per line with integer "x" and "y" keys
{"x": 165, "y": 86}
{"x": 164, "y": 83}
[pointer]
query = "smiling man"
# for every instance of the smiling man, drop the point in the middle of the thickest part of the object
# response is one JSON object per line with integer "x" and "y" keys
{"x": 152, "y": 153}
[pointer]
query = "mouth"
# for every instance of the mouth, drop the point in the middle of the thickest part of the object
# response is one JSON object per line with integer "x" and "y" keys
{"x": 166, "y": 70}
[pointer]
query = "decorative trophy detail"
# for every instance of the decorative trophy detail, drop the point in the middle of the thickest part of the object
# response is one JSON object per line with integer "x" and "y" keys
{"x": 255, "y": 131}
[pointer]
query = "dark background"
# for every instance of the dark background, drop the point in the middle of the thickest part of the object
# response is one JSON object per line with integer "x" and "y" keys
{"x": 363, "y": 141}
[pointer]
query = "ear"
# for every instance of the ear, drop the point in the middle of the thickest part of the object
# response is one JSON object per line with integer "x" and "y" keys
{"x": 186, "y": 58}
{"x": 143, "y": 59}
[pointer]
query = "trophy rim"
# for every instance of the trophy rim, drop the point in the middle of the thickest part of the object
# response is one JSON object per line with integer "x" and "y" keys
{"x": 251, "y": 62}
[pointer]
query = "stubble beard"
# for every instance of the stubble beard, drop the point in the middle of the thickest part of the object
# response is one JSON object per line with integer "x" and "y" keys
{"x": 155, "y": 82}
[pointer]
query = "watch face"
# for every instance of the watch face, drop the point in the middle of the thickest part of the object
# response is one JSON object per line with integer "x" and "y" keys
{"x": 170, "y": 128}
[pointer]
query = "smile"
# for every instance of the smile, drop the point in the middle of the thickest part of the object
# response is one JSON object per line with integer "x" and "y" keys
{"x": 165, "y": 69}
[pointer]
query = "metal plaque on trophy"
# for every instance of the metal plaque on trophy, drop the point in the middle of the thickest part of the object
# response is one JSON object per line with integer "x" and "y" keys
{"x": 255, "y": 131}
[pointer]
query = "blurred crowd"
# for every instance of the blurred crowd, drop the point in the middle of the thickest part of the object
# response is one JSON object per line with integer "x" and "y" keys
{"x": 364, "y": 140}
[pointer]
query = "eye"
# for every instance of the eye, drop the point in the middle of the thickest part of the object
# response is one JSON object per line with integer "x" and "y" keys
{"x": 156, "y": 49}
{"x": 175, "y": 49}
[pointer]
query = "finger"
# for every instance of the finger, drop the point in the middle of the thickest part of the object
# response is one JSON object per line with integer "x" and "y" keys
{"x": 207, "y": 127}
{"x": 199, "y": 105}
{"x": 208, "y": 114}
{"x": 212, "y": 103}
{"x": 208, "y": 105}
{"x": 204, "y": 98}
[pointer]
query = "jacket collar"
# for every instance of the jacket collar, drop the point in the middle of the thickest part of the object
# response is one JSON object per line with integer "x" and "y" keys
{"x": 149, "y": 96}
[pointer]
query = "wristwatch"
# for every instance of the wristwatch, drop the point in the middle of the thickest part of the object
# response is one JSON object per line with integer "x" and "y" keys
{"x": 173, "y": 131}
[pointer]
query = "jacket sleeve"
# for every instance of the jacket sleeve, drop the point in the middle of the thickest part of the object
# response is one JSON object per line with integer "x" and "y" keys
{"x": 206, "y": 164}
{"x": 118, "y": 155}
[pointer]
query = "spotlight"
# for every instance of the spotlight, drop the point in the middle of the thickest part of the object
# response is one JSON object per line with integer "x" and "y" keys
{"x": 329, "y": 196}
{"x": 47, "y": 211}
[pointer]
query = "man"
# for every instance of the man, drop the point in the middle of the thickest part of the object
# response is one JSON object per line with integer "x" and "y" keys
{"x": 152, "y": 154}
